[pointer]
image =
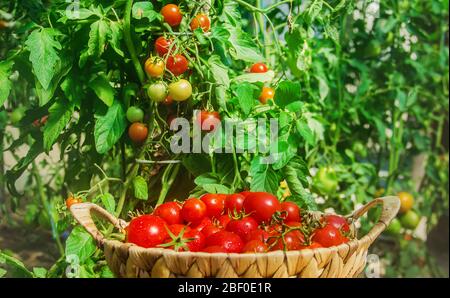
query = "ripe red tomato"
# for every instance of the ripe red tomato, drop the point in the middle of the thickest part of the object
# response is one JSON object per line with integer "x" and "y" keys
{"x": 214, "y": 249}
{"x": 193, "y": 211}
{"x": 177, "y": 64}
{"x": 293, "y": 224}
{"x": 211, "y": 229}
{"x": 231, "y": 242}
{"x": 170, "y": 118}
{"x": 205, "y": 222}
{"x": 196, "y": 240}
{"x": 172, "y": 15}
{"x": 146, "y": 231}
{"x": 254, "y": 246}
{"x": 312, "y": 245}
{"x": 170, "y": 212}
{"x": 72, "y": 201}
{"x": 214, "y": 205}
{"x": 224, "y": 220}
{"x": 208, "y": 121}
{"x": 257, "y": 234}
{"x": 168, "y": 101}
{"x": 245, "y": 193}
{"x": 234, "y": 203}
{"x": 261, "y": 205}
{"x": 329, "y": 236}
{"x": 242, "y": 227}
{"x": 337, "y": 221}
{"x": 259, "y": 68}
{"x": 201, "y": 21}
{"x": 293, "y": 240}
{"x": 162, "y": 45}
{"x": 138, "y": 132}
{"x": 266, "y": 94}
{"x": 292, "y": 210}
{"x": 40, "y": 122}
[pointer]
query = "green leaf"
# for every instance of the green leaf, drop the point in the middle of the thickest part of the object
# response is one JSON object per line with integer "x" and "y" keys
{"x": 295, "y": 173}
{"x": 40, "y": 272}
{"x": 2, "y": 272}
{"x": 140, "y": 188}
{"x": 264, "y": 178}
{"x": 144, "y": 10}
{"x": 324, "y": 90}
{"x": 243, "y": 45}
{"x": 16, "y": 267}
{"x": 216, "y": 188}
{"x": 116, "y": 37}
{"x": 44, "y": 54}
{"x": 207, "y": 178}
{"x": 108, "y": 201}
{"x": 315, "y": 126}
{"x": 304, "y": 130}
{"x": 63, "y": 68}
{"x": 287, "y": 93}
{"x": 81, "y": 244}
{"x": 73, "y": 89}
{"x": 109, "y": 128}
{"x": 197, "y": 164}
{"x": 219, "y": 71}
{"x": 244, "y": 93}
{"x": 255, "y": 77}
{"x": 5, "y": 83}
{"x": 100, "y": 31}
{"x": 103, "y": 89}
{"x": 78, "y": 14}
{"x": 314, "y": 10}
{"x": 59, "y": 116}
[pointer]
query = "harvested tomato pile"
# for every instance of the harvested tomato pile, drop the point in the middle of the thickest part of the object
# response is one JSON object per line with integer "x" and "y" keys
{"x": 246, "y": 222}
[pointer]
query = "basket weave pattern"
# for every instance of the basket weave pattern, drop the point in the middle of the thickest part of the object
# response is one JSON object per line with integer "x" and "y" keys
{"x": 129, "y": 260}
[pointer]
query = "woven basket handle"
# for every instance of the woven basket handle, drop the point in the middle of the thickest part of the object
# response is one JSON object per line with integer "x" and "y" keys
{"x": 391, "y": 205}
{"x": 83, "y": 214}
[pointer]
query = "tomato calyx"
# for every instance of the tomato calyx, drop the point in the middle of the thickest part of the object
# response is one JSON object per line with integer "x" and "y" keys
{"x": 177, "y": 242}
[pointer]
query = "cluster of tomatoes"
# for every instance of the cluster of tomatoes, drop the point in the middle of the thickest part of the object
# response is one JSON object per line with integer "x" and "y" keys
{"x": 167, "y": 59}
{"x": 172, "y": 62}
{"x": 246, "y": 222}
{"x": 409, "y": 219}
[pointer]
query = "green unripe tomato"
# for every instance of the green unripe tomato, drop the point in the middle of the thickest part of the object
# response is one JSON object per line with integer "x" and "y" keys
{"x": 390, "y": 38}
{"x": 373, "y": 49}
{"x": 157, "y": 92}
{"x": 325, "y": 181}
{"x": 17, "y": 115}
{"x": 359, "y": 148}
{"x": 135, "y": 114}
{"x": 410, "y": 220}
{"x": 180, "y": 90}
{"x": 394, "y": 228}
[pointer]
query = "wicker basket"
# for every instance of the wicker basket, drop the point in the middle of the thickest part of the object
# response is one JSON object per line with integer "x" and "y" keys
{"x": 129, "y": 260}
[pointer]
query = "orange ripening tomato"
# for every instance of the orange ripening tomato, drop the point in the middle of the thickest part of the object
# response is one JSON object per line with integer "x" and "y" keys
{"x": 138, "y": 132}
{"x": 72, "y": 201}
{"x": 201, "y": 21}
{"x": 154, "y": 67}
{"x": 266, "y": 94}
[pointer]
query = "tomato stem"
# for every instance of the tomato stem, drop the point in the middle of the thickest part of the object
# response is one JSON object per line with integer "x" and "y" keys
{"x": 129, "y": 41}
